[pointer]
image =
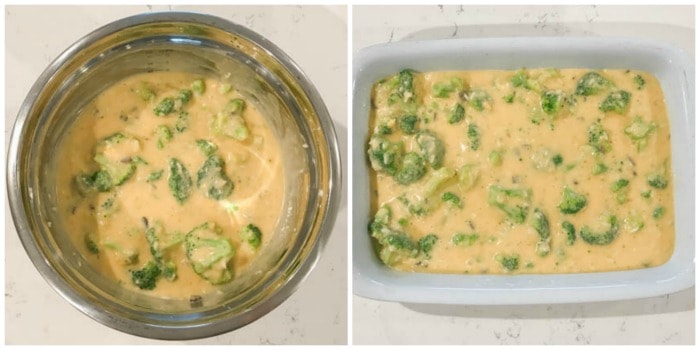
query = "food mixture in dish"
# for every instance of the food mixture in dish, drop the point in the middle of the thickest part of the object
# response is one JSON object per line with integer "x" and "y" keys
{"x": 528, "y": 171}
{"x": 170, "y": 183}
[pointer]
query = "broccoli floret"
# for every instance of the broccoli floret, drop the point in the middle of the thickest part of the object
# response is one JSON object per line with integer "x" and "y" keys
{"x": 207, "y": 147}
{"x": 384, "y": 155}
{"x": 146, "y": 277}
{"x": 479, "y": 100}
{"x": 431, "y": 148}
{"x": 570, "y": 231}
{"x": 382, "y": 219}
{"x": 144, "y": 92}
{"x": 424, "y": 199}
{"x": 466, "y": 240}
{"x": 599, "y": 168}
{"x": 571, "y": 202}
{"x": 601, "y": 238}
{"x": 617, "y": 101}
{"x": 184, "y": 96}
{"x": 213, "y": 179}
{"x": 639, "y": 132}
{"x": 658, "y": 212}
{"x": 522, "y": 79}
{"x": 128, "y": 256}
{"x": 452, "y": 199}
{"x": 198, "y": 86}
{"x": 510, "y": 262}
{"x": 165, "y": 107}
{"x": 412, "y": 169}
{"x": 99, "y": 181}
{"x": 182, "y": 122}
{"x": 383, "y": 129}
{"x": 252, "y": 235}
{"x": 443, "y": 90}
{"x": 474, "y": 136}
{"x": 403, "y": 88}
{"x": 557, "y": 159}
{"x": 552, "y": 102}
{"x": 163, "y": 136}
{"x": 108, "y": 207}
{"x": 541, "y": 224}
{"x": 646, "y": 194}
{"x": 397, "y": 247}
{"x": 598, "y": 138}
{"x": 657, "y": 181}
{"x": 408, "y": 124}
{"x": 510, "y": 97}
{"x": 456, "y": 114}
{"x": 592, "y": 83}
{"x": 179, "y": 180}
{"x": 229, "y": 121}
{"x": 467, "y": 177}
{"x": 154, "y": 176}
{"x": 115, "y": 155}
{"x": 619, "y": 188}
{"x": 633, "y": 222}
{"x": 426, "y": 244}
{"x": 495, "y": 157}
{"x": 209, "y": 253}
{"x": 158, "y": 243}
{"x": 639, "y": 81}
{"x": 225, "y": 88}
{"x": 90, "y": 241}
{"x": 514, "y": 202}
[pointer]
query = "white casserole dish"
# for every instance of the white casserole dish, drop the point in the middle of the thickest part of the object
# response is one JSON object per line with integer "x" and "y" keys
{"x": 675, "y": 72}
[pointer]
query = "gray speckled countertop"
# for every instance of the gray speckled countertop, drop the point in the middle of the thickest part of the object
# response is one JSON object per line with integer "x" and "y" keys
{"x": 668, "y": 319}
{"x": 314, "y": 314}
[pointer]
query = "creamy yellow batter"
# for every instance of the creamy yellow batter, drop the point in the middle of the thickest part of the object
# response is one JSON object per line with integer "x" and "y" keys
{"x": 530, "y": 131}
{"x": 109, "y": 226}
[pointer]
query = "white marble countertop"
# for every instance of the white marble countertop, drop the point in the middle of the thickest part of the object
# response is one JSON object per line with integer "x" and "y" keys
{"x": 314, "y": 314}
{"x": 668, "y": 319}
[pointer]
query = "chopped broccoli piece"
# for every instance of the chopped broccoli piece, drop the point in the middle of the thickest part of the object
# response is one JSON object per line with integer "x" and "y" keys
{"x": 424, "y": 199}
{"x": 474, "y": 136}
{"x": 462, "y": 239}
{"x": 179, "y": 180}
{"x": 412, "y": 169}
{"x": 557, "y": 159}
{"x": 639, "y": 132}
{"x": 383, "y": 129}
{"x": 99, "y": 181}
{"x": 598, "y": 138}
{"x": 514, "y": 202}
{"x": 184, "y": 96}
{"x": 633, "y": 223}
{"x": 146, "y": 277}
{"x": 452, "y": 199}
{"x": 403, "y": 88}
{"x": 408, "y": 124}
{"x": 467, "y": 176}
{"x": 541, "y": 224}
{"x": 209, "y": 253}
{"x": 212, "y": 177}
{"x": 431, "y": 148}
{"x": 639, "y": 81}
{"x": 522, "y": 79}
{"x": 510, "y": 97}
{"x": 617, "y": 101}
{"x": 456, "y": 114}
{"x": 510, "y": 262}
{"x": 154, "y": 176}
{"x": 443, "y": 90}
{"x": 128, "y": 256}
{"x": 229, "y": 121}
{"x": 601, "y": 238}
{"x": 496, "y": 157}
{"x": 115, "y": 155}
{"x": 599, "y": 168}
{"x": 108, "y": 207}
{"x": 182, "y": 122}
{"x": 91, "y": 243}
{"x": 198, "y": 86}
{"x": 479, "y": 100}
{"x": 158, "y": 243}
{"x": 646, "y": 194}
{"x": 225, "y": 88}
{"x": 144, "y": 92}
{"x": 165, "y": 107}
{"x": 553, "y": 101}
{"x": 657, "y": 181}
{"x": 384, "y": 155}
{"x": 426, "y": 244}
{"x": 570, "y": 231}
{"x": 619, "y": 188}
{"x": 397, "y": 247}
{"x": 163, "y": 136}
{"x": 252, "y": 235}
{"x": 658, "y": 212}
{"x": 207, "y": 147}
{"x": 571, "y": 202}
{"x": 592, "y": 83}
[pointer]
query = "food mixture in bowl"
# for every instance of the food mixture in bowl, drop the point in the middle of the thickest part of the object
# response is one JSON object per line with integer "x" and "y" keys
{"x": 528, "y": 171}
{"x": 170, "y": 183}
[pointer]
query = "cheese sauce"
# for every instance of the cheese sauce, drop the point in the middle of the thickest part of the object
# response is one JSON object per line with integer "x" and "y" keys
{"x": 514, "y": 143}
{"x": 109, "y": 222}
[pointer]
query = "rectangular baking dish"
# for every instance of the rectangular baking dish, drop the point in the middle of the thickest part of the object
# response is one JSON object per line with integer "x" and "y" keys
{"x": 675, "y": 72}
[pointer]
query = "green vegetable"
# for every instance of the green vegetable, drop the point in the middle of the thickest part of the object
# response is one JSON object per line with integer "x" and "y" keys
{"x": 431, "y": 148}
{"x": 183, "y": 122}
{"x": 426, "y": 244}
{"x": 252, "y": 235}
{"x": 144, "y": 92}
{"x": 658, "y": 212}
{"x": 633, "y": 223}
{"x": 207, "y": 147}
{"x": 657, "y": 181}
{"x": 179, "y": 180}
{"x": 639, "y": 132}
{"x": 552, "y": 102}
{"x": 522, "y": 79}
{"x": 212, "y": 177}
{"x": 617, "y": 101}
{"x": 467, "y": 176}
{"x": 601, "y": 238}
{"x": 154, "y": 176}
{"x": 510, "y": 262}
{"x": 514, "y": 202}
{"x": 412, "y": 169}
{"x": 571, "y": 202}
{"x": 209, "y": 253}
{"x": 452, "y": 199}
{"x": 384, "y": 155}
{"x": 619, "y": 188}
{"x": 198, "y": 86}
{"x": 639, "y": 81}
{"x": 115, "y": 155}
{"x": 592, "y": 83}
{"x": 541, "y": 224}
{"x": 99, "y": 181}
{"x": 474, "y": 136}
{"x": 466, "y": 240}
{"x": 225, "y": 88}
{"x": 408, "y": 124}
{"x": 570, "y": 231}
{"x": 443, "y": 90}
{"x": 158, "y": 243}
{"x": 403, "y": 88}
{"x": 496, "y": 157}
{"x": 383, "y": 129}
{"x": 128, "y": 256}
{"x": 146, "y": 277}
{"x": 456, "y": 114}
{"x": 646, "y": 194}
{"x": 599, "y": 168}
{"x": 425, "y": 198}
{"x": 184, "y": 96}
{"x": 90, "y": 241}
{"x": 510, "y": 97}
{"x": 165, "y": 107}
{"x": 479, "y": 100}
{"x": 557, "y": 159}
{"x": 229, "y": 121}
{"x": 598, "y": 138}
{"x": 108, "y": 207}
{"x": 163, "y": 135}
